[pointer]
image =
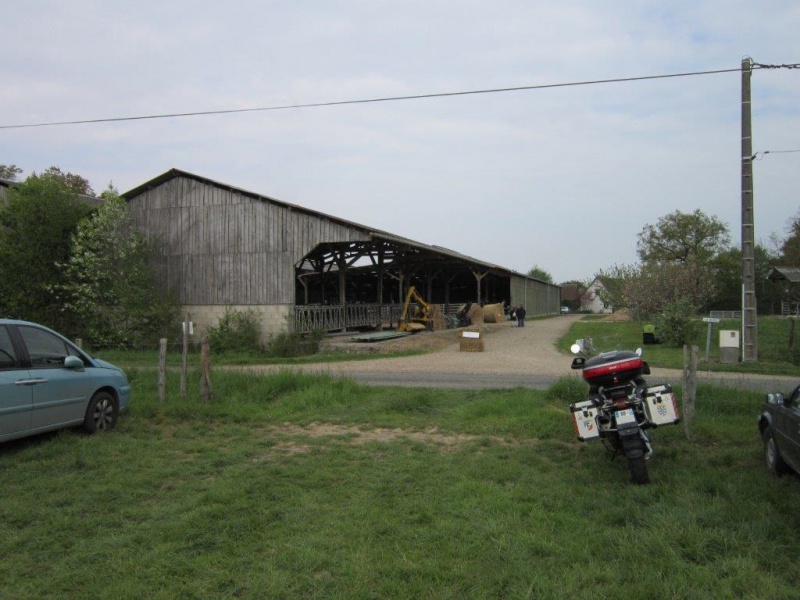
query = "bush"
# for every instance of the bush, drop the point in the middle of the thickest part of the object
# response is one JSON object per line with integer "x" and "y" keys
{"x": 677, "y": 325}
{"x": 237, "y": 331}
{"x": 290, "y": 344}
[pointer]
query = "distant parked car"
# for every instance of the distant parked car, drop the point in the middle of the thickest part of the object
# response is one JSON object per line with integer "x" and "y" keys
{"x": 564, "y": 310}
{"x": 779, "y": 425}
{"x": 47, "y": 383}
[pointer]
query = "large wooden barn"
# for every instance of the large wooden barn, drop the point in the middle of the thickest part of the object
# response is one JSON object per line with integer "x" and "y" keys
{"x": 222, "y": 246}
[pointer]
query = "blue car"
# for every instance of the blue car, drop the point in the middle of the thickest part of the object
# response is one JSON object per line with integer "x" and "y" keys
{"x": 47, "y": 383}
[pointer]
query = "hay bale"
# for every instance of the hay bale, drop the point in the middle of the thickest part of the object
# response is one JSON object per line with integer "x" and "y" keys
{"x": 475, "y": 314}
{"x": 471, "y": 340}
{"x": 493, "y": 313}
{"x": 437, "y": 318}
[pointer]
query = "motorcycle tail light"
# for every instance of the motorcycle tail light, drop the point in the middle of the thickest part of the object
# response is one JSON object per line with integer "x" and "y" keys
{"x": 621, "y": 403}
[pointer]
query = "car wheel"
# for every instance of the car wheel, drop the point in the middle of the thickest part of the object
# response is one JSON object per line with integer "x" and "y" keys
{"x": 772, "y": 455}
{"x": 101, "y": 414}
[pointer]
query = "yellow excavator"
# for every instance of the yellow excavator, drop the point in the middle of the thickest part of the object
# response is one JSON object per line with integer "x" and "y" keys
{"x": 415, "y": 318}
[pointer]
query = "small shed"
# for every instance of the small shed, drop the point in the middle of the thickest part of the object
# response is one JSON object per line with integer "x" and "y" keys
{"x": 790, "y": 276}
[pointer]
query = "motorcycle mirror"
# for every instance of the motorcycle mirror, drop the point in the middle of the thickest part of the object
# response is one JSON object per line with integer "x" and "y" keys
{"x": 639, "y": 351}
{"x": 575, "y": 349}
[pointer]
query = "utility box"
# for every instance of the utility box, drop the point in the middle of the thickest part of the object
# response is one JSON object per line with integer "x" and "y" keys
{"x": 729, "y": 346}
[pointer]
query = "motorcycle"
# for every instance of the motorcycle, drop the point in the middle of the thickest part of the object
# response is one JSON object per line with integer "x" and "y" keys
{"x": 621, "y": 407}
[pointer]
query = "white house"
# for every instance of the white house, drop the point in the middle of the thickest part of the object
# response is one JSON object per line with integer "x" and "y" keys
{"x": 591, "y": 302}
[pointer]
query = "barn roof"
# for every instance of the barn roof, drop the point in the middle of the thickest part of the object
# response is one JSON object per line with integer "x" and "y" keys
{"x": 375, "y": 234}
{"x": 790, "y": 274}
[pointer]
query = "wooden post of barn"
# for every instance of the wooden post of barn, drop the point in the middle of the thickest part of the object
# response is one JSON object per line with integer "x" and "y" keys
{"x": 205, "y": 370}
{"x": 185, "y": 352}
{"x": 689, "y": 387}
{"x": 162, "y": 369}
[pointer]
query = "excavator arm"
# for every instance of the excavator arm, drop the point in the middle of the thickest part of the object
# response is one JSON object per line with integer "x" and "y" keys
{"x": 421, "y": 319}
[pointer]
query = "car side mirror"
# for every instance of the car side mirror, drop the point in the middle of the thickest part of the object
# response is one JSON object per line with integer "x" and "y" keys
{"x": 776, "y": 399}
{"x": 73, "y": 362}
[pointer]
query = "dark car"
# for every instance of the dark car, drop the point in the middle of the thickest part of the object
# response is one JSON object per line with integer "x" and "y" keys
{"x": 47, "y": 382}
{"x": 779, "y": 425}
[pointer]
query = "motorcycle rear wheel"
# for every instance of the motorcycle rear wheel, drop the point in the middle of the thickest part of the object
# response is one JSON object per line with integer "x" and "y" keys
{"x": 634, "y": 451}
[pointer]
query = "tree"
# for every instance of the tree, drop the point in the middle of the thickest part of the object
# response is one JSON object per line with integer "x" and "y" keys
{"x": 682, "y": 238}
{"x": 9, "y": 172}
{"x": 790, "y": 248}
{"x": 76, "y": 183}
{"x": 727, "y": 272}
{"x": 538, "y": 272}
{"x": 111, "y": 281}
{"x": 35, "y": 227}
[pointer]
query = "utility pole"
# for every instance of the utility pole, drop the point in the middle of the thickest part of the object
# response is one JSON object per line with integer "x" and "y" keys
{"x": 749, "y": 315}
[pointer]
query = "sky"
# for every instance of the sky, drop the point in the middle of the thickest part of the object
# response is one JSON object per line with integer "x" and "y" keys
{"x": 563, "y": 178}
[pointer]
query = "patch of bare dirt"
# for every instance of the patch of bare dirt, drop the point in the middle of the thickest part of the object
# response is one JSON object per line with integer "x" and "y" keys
{"x": 447, "y": 442}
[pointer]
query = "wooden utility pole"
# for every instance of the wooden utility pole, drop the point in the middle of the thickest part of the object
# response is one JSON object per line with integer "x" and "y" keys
{"x": 749, "y": 315}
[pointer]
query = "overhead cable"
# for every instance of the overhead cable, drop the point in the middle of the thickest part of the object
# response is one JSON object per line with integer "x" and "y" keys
{"x": 383, "y": 99}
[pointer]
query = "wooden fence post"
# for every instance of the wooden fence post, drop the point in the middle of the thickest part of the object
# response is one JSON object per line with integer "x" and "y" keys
{"x": 185, "y": 353}
{"x": 162, "y": 369}
{"x": 689, "y": 387}
{"x": 205, "y": 370}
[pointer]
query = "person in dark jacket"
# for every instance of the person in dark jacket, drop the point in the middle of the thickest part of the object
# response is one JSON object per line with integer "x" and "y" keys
{"x": 520, "y": 316}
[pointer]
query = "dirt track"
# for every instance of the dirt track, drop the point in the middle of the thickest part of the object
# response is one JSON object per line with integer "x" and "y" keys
{"x": 513, "y": 356}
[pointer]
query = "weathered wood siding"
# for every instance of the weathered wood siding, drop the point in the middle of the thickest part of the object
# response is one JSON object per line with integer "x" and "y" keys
{"x": 224, "y": 247}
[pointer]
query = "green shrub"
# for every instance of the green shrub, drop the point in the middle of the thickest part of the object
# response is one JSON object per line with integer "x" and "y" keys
{"x": 289, "y": 344}
{"x": 237, "y": 331}
{"x": 677, "y": 325}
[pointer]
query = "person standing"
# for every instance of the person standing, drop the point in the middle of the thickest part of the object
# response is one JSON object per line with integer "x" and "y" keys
{"x": 520, "y": 316}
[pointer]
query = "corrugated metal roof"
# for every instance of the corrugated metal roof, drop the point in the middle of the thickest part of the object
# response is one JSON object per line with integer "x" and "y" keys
{"x": 376, "y": 234}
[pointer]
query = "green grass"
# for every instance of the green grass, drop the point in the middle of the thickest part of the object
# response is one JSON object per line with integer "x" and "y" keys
{"x": 293, "y": 486}
{"x": 775, "y": 357}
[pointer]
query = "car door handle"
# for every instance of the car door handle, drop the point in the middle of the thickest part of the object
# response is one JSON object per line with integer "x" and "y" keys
{"x": 30, "y": 381}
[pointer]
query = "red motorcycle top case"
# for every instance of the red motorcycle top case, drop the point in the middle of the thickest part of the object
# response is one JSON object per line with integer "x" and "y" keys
{"x": 612, "y": 368}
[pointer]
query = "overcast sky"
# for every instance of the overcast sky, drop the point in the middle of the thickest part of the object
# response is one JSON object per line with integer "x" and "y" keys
{"x": 563, "y": 178}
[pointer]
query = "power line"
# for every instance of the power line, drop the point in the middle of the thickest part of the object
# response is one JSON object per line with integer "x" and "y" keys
{"x": 387, "y": 99}
{"x": 761, "y": 155}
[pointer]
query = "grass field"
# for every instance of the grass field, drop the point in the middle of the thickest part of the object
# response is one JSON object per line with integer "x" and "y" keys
{"x": 293, "y": 486}
{"x": 774, "y": 334}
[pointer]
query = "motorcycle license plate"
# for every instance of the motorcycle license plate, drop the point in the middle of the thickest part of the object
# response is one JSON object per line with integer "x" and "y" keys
{"x": 625, "y": 417}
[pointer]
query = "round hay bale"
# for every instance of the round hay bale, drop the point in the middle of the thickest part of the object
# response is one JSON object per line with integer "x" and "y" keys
{"x": 475, "y": 314}
{"x": 493, "y": 313}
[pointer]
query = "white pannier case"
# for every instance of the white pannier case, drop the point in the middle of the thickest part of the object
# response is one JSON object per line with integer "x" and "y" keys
{"x": 584, "y": 418}
{"x": 661, "y": 405}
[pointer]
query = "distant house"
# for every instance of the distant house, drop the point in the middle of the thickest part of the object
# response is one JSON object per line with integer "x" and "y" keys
{"x": 591, "y": 300}
{"x": 790, "y": 276}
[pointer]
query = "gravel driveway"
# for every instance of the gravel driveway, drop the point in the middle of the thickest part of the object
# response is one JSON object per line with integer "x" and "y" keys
{"x": 513, "y": 357}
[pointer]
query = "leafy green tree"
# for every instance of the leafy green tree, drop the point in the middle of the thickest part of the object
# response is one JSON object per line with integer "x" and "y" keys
{"x": 727, "y": 273}
{"x": 76, "y": 183}
{"x": 35, "y": 227}
{"x": 538, "y": 272}
{"x": 682, "y": 238}
{"x": 9, "y": 172}
{"x": 790, "y": 248}
{"x": 612, "y": 293}
{"x": 110, "y": 281}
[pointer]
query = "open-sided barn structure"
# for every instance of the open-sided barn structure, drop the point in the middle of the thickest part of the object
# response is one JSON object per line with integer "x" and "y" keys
{"x": 227, "y": 247}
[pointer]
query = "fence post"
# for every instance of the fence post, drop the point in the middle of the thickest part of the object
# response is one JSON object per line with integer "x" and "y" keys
{"x": 184, "y": 353}
{"x": 162, "y": 369}
{"x": 689, "y": 387}
{"x": 205, "y": 370}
